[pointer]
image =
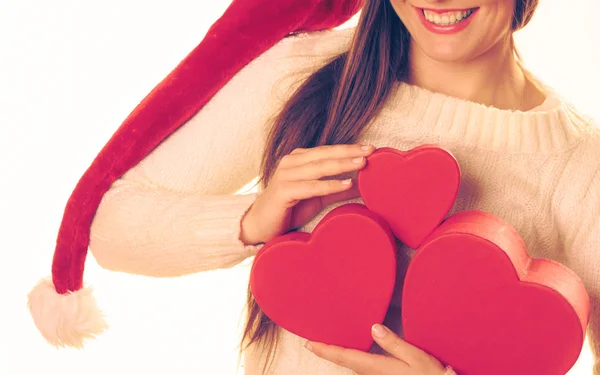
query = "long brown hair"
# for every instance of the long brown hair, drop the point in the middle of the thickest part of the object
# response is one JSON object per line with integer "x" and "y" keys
{"x": 334, "y": 106}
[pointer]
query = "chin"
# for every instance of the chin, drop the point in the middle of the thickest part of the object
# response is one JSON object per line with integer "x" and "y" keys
{"x": 448, "y": 53}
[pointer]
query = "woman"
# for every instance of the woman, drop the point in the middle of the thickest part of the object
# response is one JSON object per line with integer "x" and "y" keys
{"x": 411, "y": 72}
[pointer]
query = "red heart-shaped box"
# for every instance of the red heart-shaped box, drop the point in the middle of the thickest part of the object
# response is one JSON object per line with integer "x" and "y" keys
{"x": 332, "y": 285}
{"x": 412, "y": 190}
{"x": 474, "y": 299}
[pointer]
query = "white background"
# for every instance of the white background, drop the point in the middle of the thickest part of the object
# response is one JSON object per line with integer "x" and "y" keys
{"x": 70, "y": 72}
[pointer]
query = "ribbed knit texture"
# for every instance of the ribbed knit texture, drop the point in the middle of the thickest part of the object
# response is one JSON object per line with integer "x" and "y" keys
{"x": 177, "y": 213}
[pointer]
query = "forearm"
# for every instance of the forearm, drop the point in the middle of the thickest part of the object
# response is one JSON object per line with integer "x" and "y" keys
{"x": 158, "y": 233}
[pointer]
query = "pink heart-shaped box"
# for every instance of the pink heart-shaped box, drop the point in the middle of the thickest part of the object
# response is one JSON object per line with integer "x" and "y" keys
{"x": 412, "y": 190}
{"x": 332, "y": 285}
{"x": 472, "y": 296}
{"x": 474, "y": 299}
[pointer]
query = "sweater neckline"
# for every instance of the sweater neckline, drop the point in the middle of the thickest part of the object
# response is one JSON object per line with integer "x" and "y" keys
{"x": 545, "y": 129}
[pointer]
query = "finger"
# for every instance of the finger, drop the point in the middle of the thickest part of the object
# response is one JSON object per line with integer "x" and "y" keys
{"x": 299, "y": 150}
{"x": 292, "y": 191}
{"x": 358, "y": 361}
{"x": 304, "y": 156}
{"x": 318, "y": 169}
{"x": 350, "y": 193}
{"x": 314, "y": 205}
{"x": 391, "y": 343}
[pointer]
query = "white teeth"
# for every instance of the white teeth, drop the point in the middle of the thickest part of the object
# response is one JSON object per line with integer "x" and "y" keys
{"x": 445, "y": 19}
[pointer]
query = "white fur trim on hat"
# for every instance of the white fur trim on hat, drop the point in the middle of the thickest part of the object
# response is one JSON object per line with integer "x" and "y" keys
{"x": 65, "y": 319}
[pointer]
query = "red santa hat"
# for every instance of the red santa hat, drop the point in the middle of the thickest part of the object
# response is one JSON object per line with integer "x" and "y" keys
{"x": 63, "y": 310}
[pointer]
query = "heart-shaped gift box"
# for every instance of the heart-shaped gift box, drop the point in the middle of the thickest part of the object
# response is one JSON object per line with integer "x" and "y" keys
{"x": 472, "y": 296}
{"x": 474, "y": 299}
{"x": 332, "y": 284}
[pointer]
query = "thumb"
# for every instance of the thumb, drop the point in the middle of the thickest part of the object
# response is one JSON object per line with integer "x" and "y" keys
{"x": 394, "y": 345}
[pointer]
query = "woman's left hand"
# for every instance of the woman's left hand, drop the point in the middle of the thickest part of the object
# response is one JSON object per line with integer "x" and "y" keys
{"x": 407, "y": 359}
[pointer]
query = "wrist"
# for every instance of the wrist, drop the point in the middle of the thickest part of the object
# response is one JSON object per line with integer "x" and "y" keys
{"x": 248, "y": 230}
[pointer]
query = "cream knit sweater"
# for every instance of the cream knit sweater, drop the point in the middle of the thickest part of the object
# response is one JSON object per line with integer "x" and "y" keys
{"x": 177, "y": 212}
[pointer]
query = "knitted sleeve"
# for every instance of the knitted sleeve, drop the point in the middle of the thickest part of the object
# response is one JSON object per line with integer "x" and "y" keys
{"x": 177, "y": 211}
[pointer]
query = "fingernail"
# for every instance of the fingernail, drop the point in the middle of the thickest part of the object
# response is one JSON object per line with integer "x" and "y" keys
{"x": 379, "y": 331}
{"x": 358, "y": 160}
{"x": 308, "y": 346}
{"x": 366, "y": 147}
{"x": 347, "y": 182}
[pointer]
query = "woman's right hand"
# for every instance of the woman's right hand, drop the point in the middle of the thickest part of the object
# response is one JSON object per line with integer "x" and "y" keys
{"x": 297, "y": 191}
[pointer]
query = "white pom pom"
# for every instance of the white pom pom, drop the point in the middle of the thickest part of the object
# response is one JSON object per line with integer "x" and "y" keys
{"x": 65, "y": 319}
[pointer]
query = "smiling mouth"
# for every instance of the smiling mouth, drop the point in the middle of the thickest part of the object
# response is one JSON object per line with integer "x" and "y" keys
{"x": 447, "y": 17}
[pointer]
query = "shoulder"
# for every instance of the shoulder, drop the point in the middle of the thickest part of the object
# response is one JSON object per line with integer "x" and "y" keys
{"x": 299, "y": 51}
{"x": 582, "y": 132}
{"x": 291, "y": 60}
{"x": 262, "y": 87}
{"x": 315, "y": 45}
{"x": 577, "y": 195}
{"x": 584, "y": 155}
